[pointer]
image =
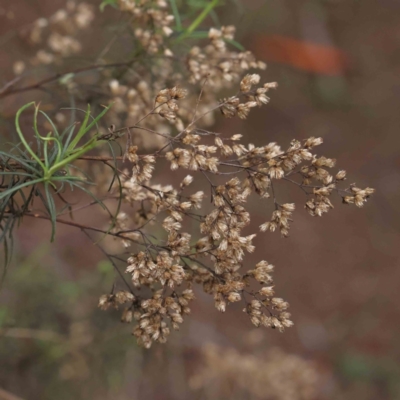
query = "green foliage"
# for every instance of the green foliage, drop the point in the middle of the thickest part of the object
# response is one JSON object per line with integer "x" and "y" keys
{"x": 207, "y": 9}
{"x": 65, "y": 150}
{"x": 106, "y": 3}
{"x": 195, "y": 12}
{"x": 27, "y": 173}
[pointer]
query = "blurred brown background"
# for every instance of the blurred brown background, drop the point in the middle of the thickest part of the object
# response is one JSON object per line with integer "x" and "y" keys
{"x": 337, "y": 63}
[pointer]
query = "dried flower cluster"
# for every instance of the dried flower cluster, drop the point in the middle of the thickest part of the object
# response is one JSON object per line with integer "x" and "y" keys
{"x": 56, "y": 37}
{"x": 151, "y": 21}
{"x": 215, "y": 261}
{"x": 276, "y": 375}
{"x": 217, "y": 63}
{"x": 176, "y": 120}
{"x": 166, "y": 104}
{"x": 157, "y": 314}
{"x": 214, "y": 64}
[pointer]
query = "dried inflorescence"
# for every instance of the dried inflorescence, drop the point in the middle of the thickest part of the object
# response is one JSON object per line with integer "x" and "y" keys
{"x": 168, "y": 268}
{"x": 176, "y": 120}
{"x": 156, "y": 315}
{"x": 275, "y": 375}
{"x": 151, "y": 21}
{"x": 164, "y": 102}
{"x": 209, "y": 69}
{"x": 232, "y": 106}
{"x": 216, "y": 62}
{"x": 56, "y": 37}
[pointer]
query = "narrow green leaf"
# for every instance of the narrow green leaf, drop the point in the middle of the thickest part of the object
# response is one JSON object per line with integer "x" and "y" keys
{"x": 81, "y": 132}
{"x": 210, "y": 6}
{"x": 70, "y": 131}
{"x": 21, "y": 136}
{"x": 94, "y": 122}
{"x": 52, "y": 210}
{"x": 21, "y": 161}
{"x": 51, "y": 123}
{"x": 106, "y": 3}
{"x": 18, "y": 187}
{"x": 175, "y": 11}
{"x": 17, "y": 173}
{"x": 93, "y": 196}
{"x": 236, "y": 44}
{"x": 91, "y": 144}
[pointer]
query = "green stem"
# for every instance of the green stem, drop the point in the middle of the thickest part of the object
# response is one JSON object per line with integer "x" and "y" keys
{"x": 178, "y": 23}
{"x": 84, "y": 149}
{"x": 198, "y": 20}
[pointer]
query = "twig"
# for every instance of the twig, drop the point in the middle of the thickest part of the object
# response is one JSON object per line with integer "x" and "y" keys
{"x": 57, "y": 76}
{"x": 198, "y": 101}
{"x": 112, "y": 262}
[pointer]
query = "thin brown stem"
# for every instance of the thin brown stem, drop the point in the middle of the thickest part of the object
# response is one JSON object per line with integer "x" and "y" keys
{"x": 57, "y": 76}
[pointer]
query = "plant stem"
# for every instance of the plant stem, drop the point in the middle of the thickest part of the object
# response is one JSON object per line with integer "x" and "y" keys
{"x": 198, "y": 20}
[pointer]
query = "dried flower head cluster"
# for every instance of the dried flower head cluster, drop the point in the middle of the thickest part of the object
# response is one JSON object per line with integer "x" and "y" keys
{"x": 275, "y": 375}
{"x": 151, "y": 21}
{"x": 155, "y": 316}
{"x": 56, "y": 37}
{"x": 170, "y": 239}
{"x": 215, "y": 261}
{"x": 166, "y": 65}
{"x": 216, "y": 62}
{"x": 233, "y": 106}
